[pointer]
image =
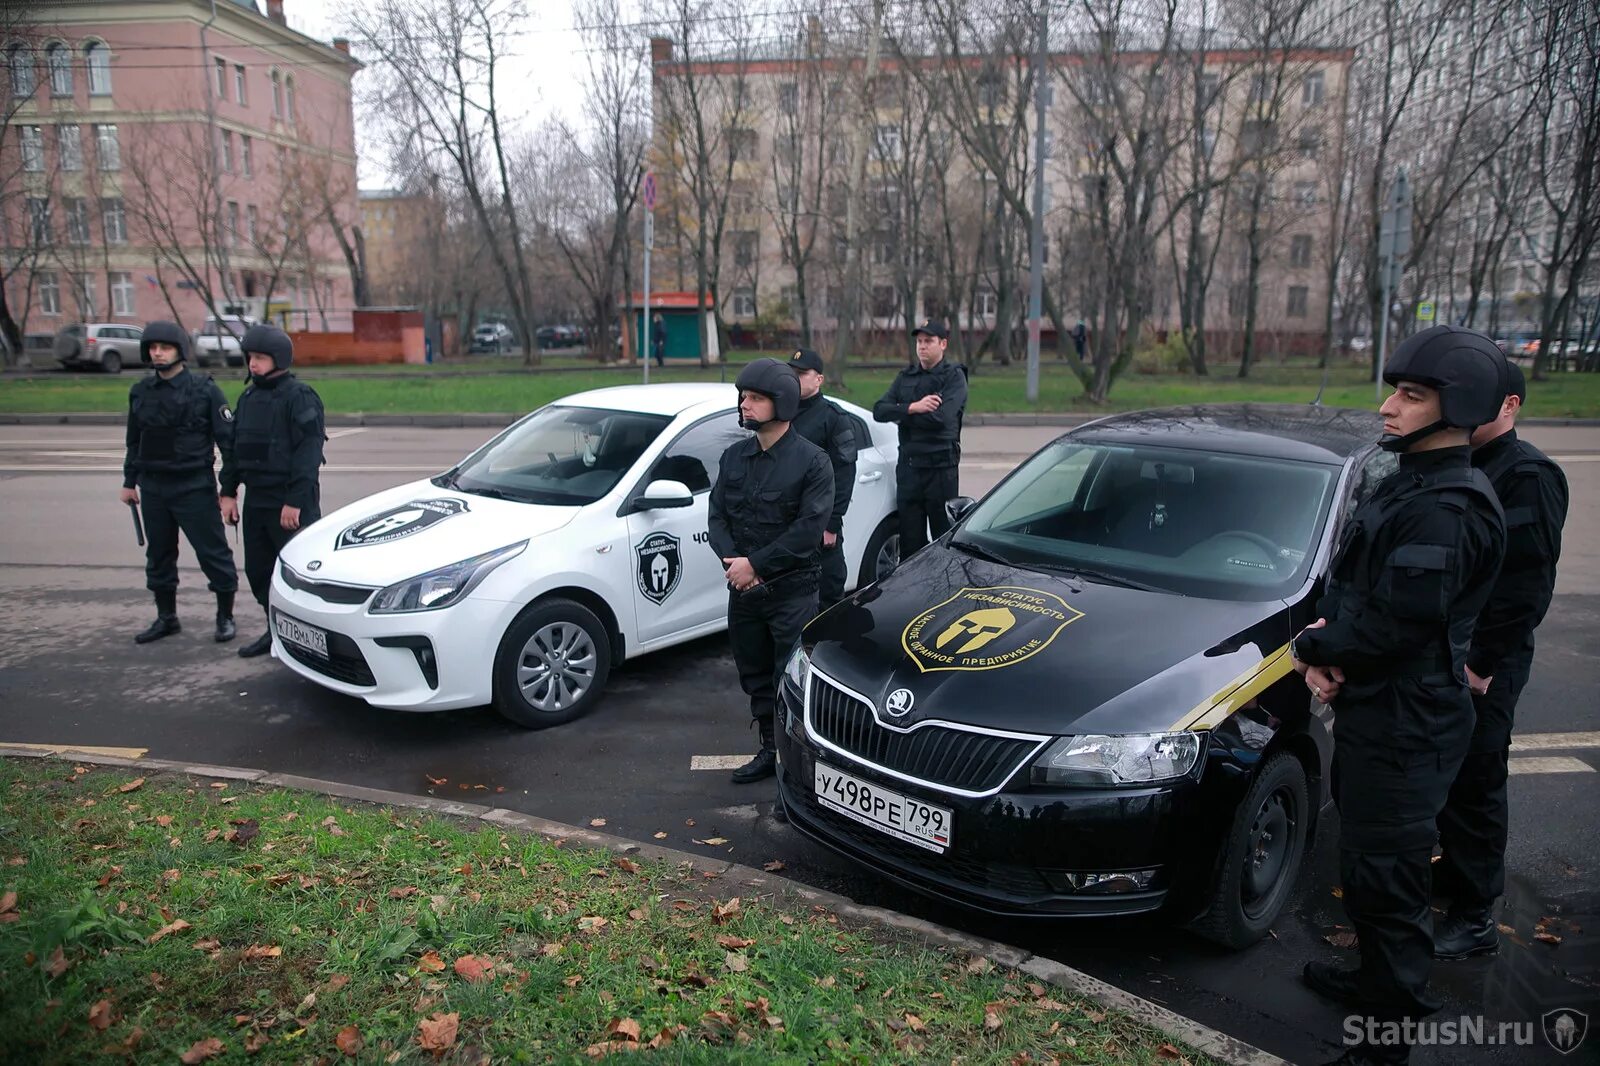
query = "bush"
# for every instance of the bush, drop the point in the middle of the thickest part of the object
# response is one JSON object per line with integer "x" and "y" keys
{"x": 1159, "y": 356}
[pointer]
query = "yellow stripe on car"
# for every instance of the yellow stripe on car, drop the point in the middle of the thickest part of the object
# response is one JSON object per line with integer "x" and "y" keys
{"x": 1233, "y": 696}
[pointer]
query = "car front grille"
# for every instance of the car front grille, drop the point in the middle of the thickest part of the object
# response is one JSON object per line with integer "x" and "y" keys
{"x": 344, "y": 662}
{"x": 326, "y": 591}
{"x": 966, "y": 760}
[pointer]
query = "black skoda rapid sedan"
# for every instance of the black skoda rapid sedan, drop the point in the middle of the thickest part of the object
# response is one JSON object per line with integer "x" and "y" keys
{"x": 1080, "y": 700}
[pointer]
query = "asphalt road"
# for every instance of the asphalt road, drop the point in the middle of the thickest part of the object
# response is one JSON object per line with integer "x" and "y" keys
{"x": 71, "y": 597}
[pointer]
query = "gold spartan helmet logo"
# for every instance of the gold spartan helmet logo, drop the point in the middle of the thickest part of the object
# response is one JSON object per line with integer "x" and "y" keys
{"x": 979, "y": 626}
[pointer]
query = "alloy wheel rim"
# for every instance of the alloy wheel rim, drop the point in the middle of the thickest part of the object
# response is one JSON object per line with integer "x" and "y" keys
{"x": 556, "y": 666}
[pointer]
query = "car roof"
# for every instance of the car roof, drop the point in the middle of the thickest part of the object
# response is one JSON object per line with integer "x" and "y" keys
{"x": 673, "y": 399}
{"x": 1285, "y": 431}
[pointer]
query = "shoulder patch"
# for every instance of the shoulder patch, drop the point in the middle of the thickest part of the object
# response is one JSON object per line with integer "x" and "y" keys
{"x": 226, "y": 413}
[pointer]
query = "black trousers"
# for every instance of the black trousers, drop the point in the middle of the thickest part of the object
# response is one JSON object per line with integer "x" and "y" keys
{"x": 264, "y": 537}
{"x": 1474, "y": 823}
{"x": 830, "y": 583}
{"x": 920, "y": 494}
{"x": 189, "y": 504}
{"x": 1389, "y": 801}
{"x": 763, "y": 628}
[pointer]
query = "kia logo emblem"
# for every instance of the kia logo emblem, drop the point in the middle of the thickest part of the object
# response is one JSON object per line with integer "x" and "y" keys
{"x": 899, "y": 702}
{"x": 315, "y": 564}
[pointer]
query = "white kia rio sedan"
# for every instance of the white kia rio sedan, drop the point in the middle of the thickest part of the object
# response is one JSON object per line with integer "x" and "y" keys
{"x": 519, "y": 577}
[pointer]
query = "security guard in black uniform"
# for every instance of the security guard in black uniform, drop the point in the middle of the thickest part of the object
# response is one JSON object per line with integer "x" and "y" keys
{"x": 821, "y": 422}
{"x": 277, "y": 453}
{"x": 1413, "y": 570}
{"x": 927, "y": 399}
{"x": 768, "y": 511}
{"x": 177, "y": 421}
{"x": 1472, "y": 827}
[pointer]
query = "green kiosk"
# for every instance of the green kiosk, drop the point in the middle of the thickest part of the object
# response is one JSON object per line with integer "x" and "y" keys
{"x": 677, "y": 313}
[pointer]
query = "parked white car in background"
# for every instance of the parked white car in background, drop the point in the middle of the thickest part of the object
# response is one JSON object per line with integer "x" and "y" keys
{"x": 575, "y": 539}
{"x": 218, "y": 341}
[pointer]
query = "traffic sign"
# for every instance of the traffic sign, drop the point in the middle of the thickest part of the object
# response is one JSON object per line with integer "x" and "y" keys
{"x": 1425, "y": 311}
{"x": 649, "y": 192}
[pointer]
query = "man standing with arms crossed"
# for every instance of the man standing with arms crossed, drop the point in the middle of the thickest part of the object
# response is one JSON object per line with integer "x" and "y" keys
{"x": 1473, "y": 824}
{"x": 1413, "y": 571}
{"x": 927, "y": 401}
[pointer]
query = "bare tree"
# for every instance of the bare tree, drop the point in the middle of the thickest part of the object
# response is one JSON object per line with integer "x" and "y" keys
{"x": 20, "y": 85}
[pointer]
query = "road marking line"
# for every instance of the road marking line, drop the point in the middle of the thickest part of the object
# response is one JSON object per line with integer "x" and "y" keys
{"x": 1552, "y": 764}
{"x": 335, "y": 434}
{"x": 80, "y": 749}
{"x": 1554, "y": 741}
{"x": 718, "y": 762}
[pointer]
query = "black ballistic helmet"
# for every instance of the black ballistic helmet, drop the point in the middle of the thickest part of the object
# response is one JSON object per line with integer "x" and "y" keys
{"x": 772, "y": 378}
{"x": 162, "y": 332}
{"x": 269, "y": 340}
{"x": 1467, "y": 368}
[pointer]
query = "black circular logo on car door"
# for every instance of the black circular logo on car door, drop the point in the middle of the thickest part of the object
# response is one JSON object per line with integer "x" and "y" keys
{"x": 659, "y": 566}
{"x": 399, "y": 522}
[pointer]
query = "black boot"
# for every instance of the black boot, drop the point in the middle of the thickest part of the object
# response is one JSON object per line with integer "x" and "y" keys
{"x": 260, "y": 646}
{"x": 765, "y": 764}
{"x": 166, "y": 622}
{"x": 1334, "y": 982}
{"x": 225, "y": 627}
{"x": 1464, "y": 934}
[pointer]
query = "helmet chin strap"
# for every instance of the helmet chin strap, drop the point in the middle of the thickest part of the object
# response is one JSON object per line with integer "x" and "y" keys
{"x": 755, "y": 424}
{"x": 1390, "y": 442}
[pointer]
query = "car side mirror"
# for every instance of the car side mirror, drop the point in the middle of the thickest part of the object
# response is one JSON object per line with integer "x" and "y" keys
{"x": 664, "y": 495}
{"x": 957, "y": 508}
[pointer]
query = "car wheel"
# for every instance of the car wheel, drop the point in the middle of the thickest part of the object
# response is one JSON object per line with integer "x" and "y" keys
{"x": 111, "y": 363}
{"x": 882, "y": 554}
{"x": 1261, "y": 859}
{"x": 552, "y": 664}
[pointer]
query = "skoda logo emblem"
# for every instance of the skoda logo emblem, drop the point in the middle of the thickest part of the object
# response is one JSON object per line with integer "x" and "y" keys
{"x": 315, "y": 564}
{"x": 899, "y": 702}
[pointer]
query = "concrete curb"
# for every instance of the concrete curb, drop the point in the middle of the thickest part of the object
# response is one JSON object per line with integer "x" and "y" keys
{"x": 1202, "y": 1038}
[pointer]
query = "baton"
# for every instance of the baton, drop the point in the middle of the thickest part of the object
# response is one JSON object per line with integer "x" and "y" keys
{"x": 138, "y": 526}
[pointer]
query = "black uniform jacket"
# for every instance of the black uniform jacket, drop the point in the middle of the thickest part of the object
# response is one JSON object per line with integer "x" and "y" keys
{"x": 932, "y": 438}
{"x": 277, "y": 448}
{"x": 1533, "y": 492}
{"x": 772, "y": 506}
{"x": 1415, "y": 565}
{"x": 821, "y": 422}
{"x": 175, "y": 427}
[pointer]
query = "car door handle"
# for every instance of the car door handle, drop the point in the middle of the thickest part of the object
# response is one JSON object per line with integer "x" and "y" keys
{"x": 870, "y": 477}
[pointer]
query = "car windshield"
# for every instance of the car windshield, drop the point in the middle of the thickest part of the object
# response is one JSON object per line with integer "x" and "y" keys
{"x": 1190, "y": 522}
{"x": 560, "y": 456}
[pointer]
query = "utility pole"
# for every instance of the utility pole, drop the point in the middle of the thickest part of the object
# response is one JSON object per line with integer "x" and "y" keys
{"x": 1041, "y": 94}
{"x": 645, "y": 344}
{"x": 1394, "y": 244}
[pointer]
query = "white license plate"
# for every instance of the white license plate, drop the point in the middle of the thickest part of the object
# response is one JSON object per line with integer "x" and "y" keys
{"x": 298, "y": 633}
{"x": 883, "y": 809}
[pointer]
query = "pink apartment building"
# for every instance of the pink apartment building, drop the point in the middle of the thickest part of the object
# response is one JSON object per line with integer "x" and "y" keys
{"x": 163, "y": 152}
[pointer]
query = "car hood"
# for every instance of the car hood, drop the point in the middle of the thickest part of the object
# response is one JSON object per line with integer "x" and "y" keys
{"x": 986, "y": 644}
{"x": 411, "y": 529}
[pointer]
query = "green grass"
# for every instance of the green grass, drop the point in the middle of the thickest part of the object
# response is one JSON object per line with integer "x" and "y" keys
{"x": 993, "y": 390}
{"x": 324, "y": 922}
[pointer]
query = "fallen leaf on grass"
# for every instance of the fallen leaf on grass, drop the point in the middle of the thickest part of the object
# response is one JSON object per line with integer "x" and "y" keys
{"x": 57, "y": 963}
{"x": 637, "y": 914}
{"x": 256, "y": 1041}
{"x": 163, "y": 820}
{"x": 102, "y": 1014}
{"x": 307, "y": 1003}
{"x": 206, "y": 945}
{"x": 259, "y": 951}
{"x": 1167, "y": 1051}
{"x": 402, "y": 893}
{"x": 979, "y": 965}
{"x": 991, "y": 1016}
{"x": 245, "y": 830}
{"x": 209, "y": 1048}
{"x": 623, "y": 1029}
{"x": 1095, "y": 1016}
{"x": 597, "y": 822}
{"x": 338, "y": 981}
{"x": 591, "y": 924}
{"x": 171, "y": 877}
{"x": 915, "y": 1024}
{"x": 166, "y": 930}
{"x": 713, "y": 841}
{"x": 774, "y": 866}
{"x": 132, "y": 786}
{"x": 574, "y": 981}
{"x": 8, "y": 903}
{"x": 827, "y": 982}
{"x": 625, "y": 864}
{"x": 212, "y": 835}
{"x": 1343, "y": 938}
{"x": 474, "y": 969}
{"x": 721, "y": 912}
{"x": 109, "y": 876}
{"x": 438, "y": 1033}
{"x": 736, "y": 962}
{"x": 733, "y": 943}
{"x": 349, "y": 1040}
{"x": 1547, "y": 938}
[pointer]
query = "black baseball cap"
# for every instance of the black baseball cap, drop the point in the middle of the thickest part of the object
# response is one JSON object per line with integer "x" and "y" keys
{"x": 933, "y": 328}
{"x": 806, "y": 359}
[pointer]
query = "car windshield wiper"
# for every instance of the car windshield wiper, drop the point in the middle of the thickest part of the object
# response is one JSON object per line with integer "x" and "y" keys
{"x": 447, "y": 480}
{"x": 1088, "y": 573}
{"x": 972, "y": 548}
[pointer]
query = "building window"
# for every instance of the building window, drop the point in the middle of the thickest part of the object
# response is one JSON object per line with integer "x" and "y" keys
{"x": 932, "y": 303}
{"x": 77, "y": 220}
{"x": 1210, "y": 86}
{"x": 238, "y": 84}
{"x": 59, "y": 60}
{"x": 250, "y": 220}
{"x": 746, "y": 246}
{"x": 222, "y": 78}
{"x": 107, "y": 149}
{"x": 277, "y": 95}
{"x": 1208, "y": 140}
{"x": 1259, "y": 88}
{"x": 20, "y": 60}
{"x": 1305, "y": 193}
{"x": 742, "y": 198}
{"x": 83, "y": 294}
{"x": 114, "y": 220}
{"x": 991, "y": 89}
{"x": 225, "y": 151}
{"x": 97, "y": 58}
{"x": 883, "y": 301}
{"x": 33, "y": 148}
{"x": 1300, "y": 250}
{"x": 49, "y": 292}
{"x": 1257, "y": 136}
{"x": 288, "y": 98}
{"x": 1310, "y": 144}
{"x": 121, "y": 292}
{"x": 887, "y": 142}
{"x": 744, "y": 302}
{"x": 788, "y": 98}
{"x": 1313, "y": 89}
{"x": 233, "y": 222}
{"x": 742, "y": 144}
{"x": 69, "y": 145}
{"x": 39, "y": 222}
{"x": 246, "y": 161}
{"x": 883, "y": 250}
{"x": 988, "y": 303}
{"x": 1297, "y": 301}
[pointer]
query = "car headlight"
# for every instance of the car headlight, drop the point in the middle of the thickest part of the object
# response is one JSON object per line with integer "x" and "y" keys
{"x": 798, "y": 669}
{"x": 440, "y": 588}
{"x": 1133, "y": 759}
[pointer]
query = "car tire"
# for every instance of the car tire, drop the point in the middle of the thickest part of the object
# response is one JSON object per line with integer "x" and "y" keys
{"x": 111, "y": 362}
{"x": 552, "y": 664}
{"x": 1247, "y": 899}
{"x": 882, "y": 554}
